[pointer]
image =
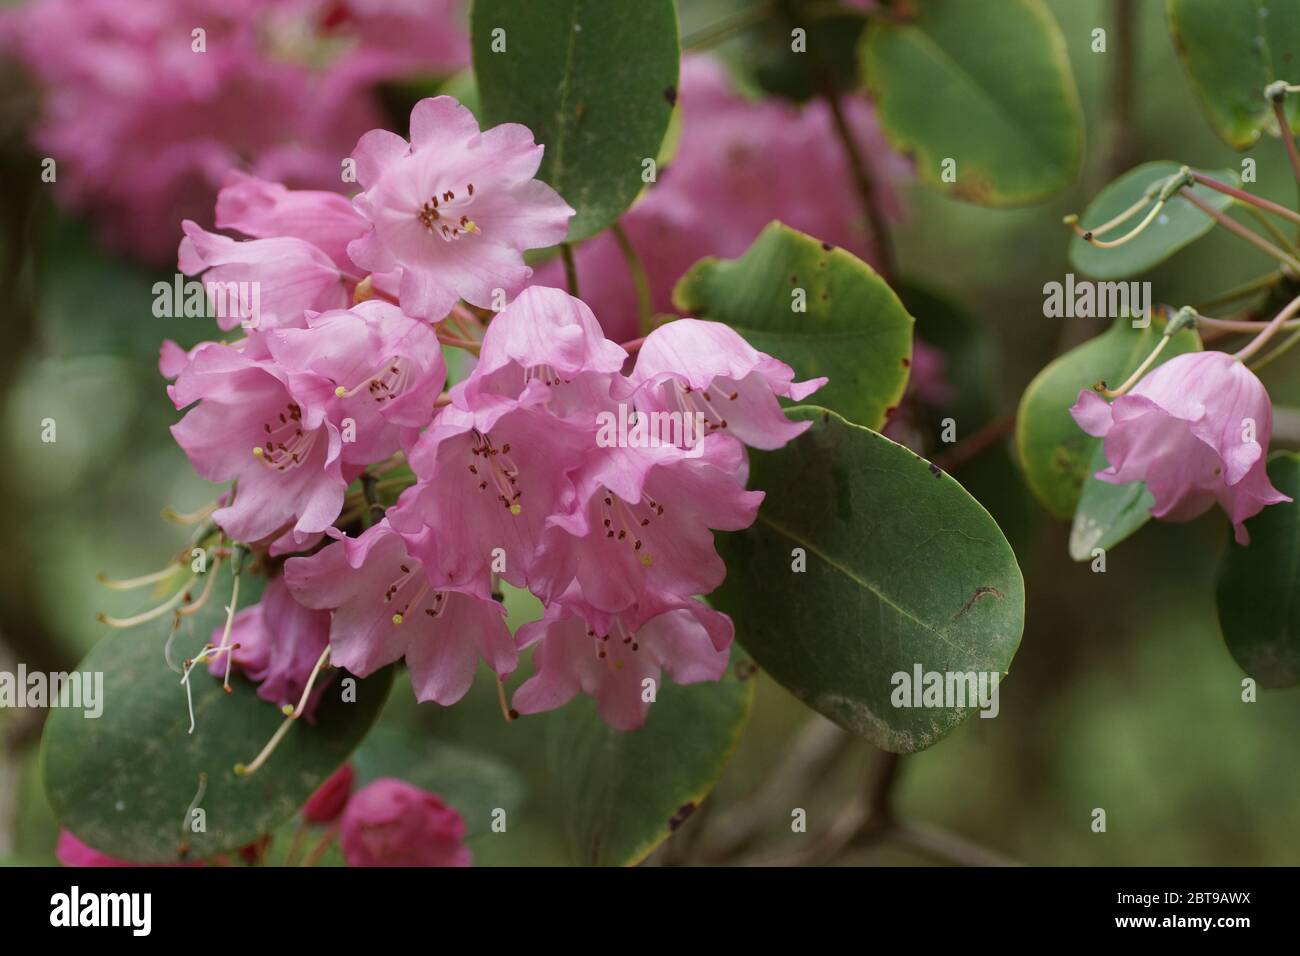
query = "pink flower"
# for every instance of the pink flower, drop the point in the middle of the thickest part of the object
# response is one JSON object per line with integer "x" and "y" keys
{"x": 740, "y": 164}
{"x": 279, "y": 642}
{"x": 706, "y": 369}
{"x": 612, "y": 657}
{"x": 266, "y": 430}
{"x": 398, "y": 37}
{"x": 72, "y": 852}
{"x": 393, "y": 823}
{"x": 1195, "y": 429}
{"x": 534, "y": 350}
{"x": 385, "y": 608}
{"x": 264, "y": 283}
{"x": 144, "y": 128}
{"x": 453, "y": 208}
{"x": 325, "y": 805}
{"x": 488, "y": 481}
{"x": 642, "y": 522}
{"x": 385, "y": 369}
{"x": 266, "y": 210}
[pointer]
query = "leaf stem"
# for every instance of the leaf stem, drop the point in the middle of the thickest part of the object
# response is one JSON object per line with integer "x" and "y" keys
{"x": 639, "y": 279}
{"x": 570, "y": 269}
{"x": 861, "y": 172}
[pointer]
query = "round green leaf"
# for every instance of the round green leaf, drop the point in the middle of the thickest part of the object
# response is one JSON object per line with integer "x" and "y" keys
{"x": 625, "y": 792}
{"x": 853, "y": 328}
{"x": 1107, "y": 514}
{"x": 1055, "y": 453}
{"x": 904, "y": 569}
{"x": 1233, "y": 49}
{"x": 595, "y": 81}
{"x": 1175, "y": 226}
{"x": 1260, "y": 622}
{"x": 991, "y": 91}
{"x": 123, "y": 782}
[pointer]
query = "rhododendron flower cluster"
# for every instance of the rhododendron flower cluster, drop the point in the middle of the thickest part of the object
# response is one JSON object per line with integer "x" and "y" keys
{"x": 149, "y": 103}
{"x": 513, "y": 475}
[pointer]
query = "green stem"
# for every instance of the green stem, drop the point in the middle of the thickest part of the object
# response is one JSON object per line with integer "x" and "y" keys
{"x": 1266, "y": 281}
{"x": 639, "y": 280}
{"x": 570, "y": 269}
{"x": 862, "y": 183}
{"x": 728, "y": 26}
{"x": 1278, "y": 235}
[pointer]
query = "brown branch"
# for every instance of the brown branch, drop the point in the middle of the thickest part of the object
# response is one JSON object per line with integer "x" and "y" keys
{"x": 861, "y": 172}
{"x": 983, "y": 439}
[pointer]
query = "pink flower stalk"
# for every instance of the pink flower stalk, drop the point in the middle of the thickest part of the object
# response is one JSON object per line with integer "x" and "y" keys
{"x": 327, "y": 803}
{"x": 144, "y": 127}
{"x": 706, "y": 370}
{"x": 740, "y": 164}
{"x": 393, "y": 823}
{"x": 384, "y": 607}
{"x": 642, "y": 521}
{"x": 611, "y": 657}
{"x": 454, "y": 208}
{"x": 1196, "y": 430}
{"x": 279, "y": 642}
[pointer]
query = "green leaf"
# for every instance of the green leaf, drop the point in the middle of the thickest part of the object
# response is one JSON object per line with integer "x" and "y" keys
{"x": 123, "y": 782}
{"x": 854, "y": 329}
{"x": 472, "y": 781}
{"x": 1259, "y": 619}
{"x": 1056, "y": 453}
{"x": 1233, "y": 49}
{"x": 595, "y": 81}
{"x": 993, "y": 92}
{"x": 904, "y": 568}
{"x": 1178, "y": 224}
{"x": 625, "y": 792}
{"x": 1106, "y": 513}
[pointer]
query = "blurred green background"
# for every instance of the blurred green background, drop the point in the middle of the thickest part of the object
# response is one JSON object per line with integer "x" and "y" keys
{"x": 1122, "y": 696}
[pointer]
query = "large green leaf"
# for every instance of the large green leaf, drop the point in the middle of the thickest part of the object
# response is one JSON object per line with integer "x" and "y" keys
{"x": 1233, "y": 49}
{"x": 991, "y": 90}
{"x": 625, "y": 792}
{"x": 1257, "y": 612}
{"x": 904, "y": 568}
{"x": 1176, "y": 225}
{"x": 123, "y": 782}
{"x": 1055, "y": 453}
{"x": 853, "y": 330}
{"x": 595, "y": 81}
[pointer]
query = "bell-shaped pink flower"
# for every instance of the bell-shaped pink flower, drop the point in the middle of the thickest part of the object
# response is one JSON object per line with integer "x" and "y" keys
{"x": 279, "y": 642}
{"x": 488, "y": 482}
{"x": 454, "y": 208}
{"x": 265, "y": 210}
{"x": 393, "y": 823}
{"x": 545, "y": 347}
{"x": 642, "y": 521}
{"x": 706, "y": 370}
{"x": 275, "y": 281}
{"x": 268, "y": 431}
{"x": 385, "y": 608}
{"x": 611, "y": 656}
{"x": 1196, "y": 430}
{"x": 385, "y": 369}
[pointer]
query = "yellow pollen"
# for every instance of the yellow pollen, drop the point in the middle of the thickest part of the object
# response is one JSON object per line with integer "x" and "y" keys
{"x": 258, "y": 452}
{"x": 340, "y": 391}
{"x": 516, "y": 509}
{"x": 397, "y": 619}
{"x": 647, "y": 560}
